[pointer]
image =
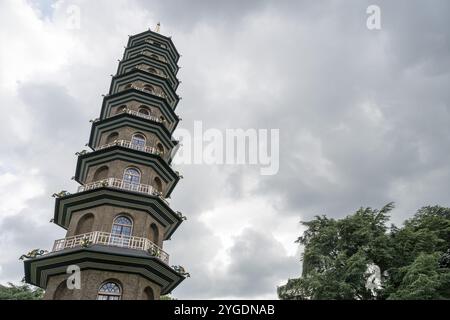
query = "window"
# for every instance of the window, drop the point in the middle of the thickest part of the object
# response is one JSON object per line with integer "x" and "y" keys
{"x": 121, "y": 109}
{"x": 85, "y": 224}
{"x": 109, "y": 291}
{"x": 122, "y": 226}
{"x": 101, "y": 173}
{"x": 144, "y": 110}
{"x": 160, "y": 148}
{"x": 121, "y": 232}
{"x": 63, "y": 293}
{"x": 155, "y": 234}
{"x": 152, "y": 70}
{"x": 158, "y": 184}
{"x": 132, "y": 179}
{"x": 112, "y": 138}
{"x": 138, "y": 142}
{"x": 149, "y": 294}
{"x": 158, "y": 44}
{"x": 149, "y": 88}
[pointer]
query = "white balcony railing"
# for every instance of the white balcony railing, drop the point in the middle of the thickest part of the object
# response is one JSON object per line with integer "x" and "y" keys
{"x": 161, "y": 95}
{"x": 119, "y": 184}
{"x": 145, "y": 116}
{"x": 158, "y": 73}
{"x": 124, "y": 185}
{"x": 152, "y": 55}
{"x": 110, "y": 239}
{"x": 130, "y": 145}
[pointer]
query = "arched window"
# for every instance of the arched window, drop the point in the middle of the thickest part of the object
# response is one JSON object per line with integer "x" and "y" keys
{"x": 152, "y": 70}
{"x": 160, "y": 148}
{"x": 158, "y": 184}
{"x": 101, "y": 173}
{"x": 155, "y": 234}
{"x": 62, "y": 292}
{"x": 144, "y": 110}
{"x": 109, "y": 291}
{"x": 148, "y": 293}
{"x": 158, "y": 44}
{"x": 132, "y": 179}
{"x": 112, "y": 137}
{"x": 149, "y": 88}
{"x": 122, "y": 226}
{"x": 85, "y": 224}
{"x": 121, "y": 109}
{"x": 138, "y": 141}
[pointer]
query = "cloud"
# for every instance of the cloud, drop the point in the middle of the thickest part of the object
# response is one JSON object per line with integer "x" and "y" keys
{"x": 21, "y": 233}
{"x": 258, "y": 261}
{"x": 249, "y": 268}
{"x": 13, "y": 193}
{"x": 363, "y": 118}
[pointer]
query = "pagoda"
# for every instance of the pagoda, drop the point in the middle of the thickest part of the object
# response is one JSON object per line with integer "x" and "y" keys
{"x": 119, "y": 218}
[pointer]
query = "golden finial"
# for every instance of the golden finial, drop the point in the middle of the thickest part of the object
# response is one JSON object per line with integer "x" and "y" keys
{"x": 158, "y": 27}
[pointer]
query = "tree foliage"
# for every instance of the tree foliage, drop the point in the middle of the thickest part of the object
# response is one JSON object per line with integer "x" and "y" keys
{"x": 20, "y": 292}
{"x": 167, "y": 297}
{"x": 413, "y": 261}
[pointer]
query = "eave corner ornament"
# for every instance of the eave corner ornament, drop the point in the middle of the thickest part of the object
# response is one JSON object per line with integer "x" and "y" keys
{"x": 33, "y": 254}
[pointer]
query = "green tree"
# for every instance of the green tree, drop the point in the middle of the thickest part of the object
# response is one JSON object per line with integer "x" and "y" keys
{"x": 413, "y": 261}
{"x": 20, "y": 292}
{"x": 423, "y": 279}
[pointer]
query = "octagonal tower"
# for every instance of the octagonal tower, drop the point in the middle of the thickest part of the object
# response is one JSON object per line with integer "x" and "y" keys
{"x": 119, "y": 218}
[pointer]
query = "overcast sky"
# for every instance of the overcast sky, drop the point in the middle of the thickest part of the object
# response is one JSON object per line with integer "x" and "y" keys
{"x": 364, "y": 119}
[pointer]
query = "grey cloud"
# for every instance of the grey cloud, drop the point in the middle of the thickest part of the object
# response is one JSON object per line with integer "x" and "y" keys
{"x": 258, "y": 264}
{"x": 305, "y": 67}
{"x": 193, "y": 246}
{"x": 419, "y": 35}
{"x": 59, "y": 129}
{"x": 369, "y": 158}
{"x": 188, "y": 14}
{"x": 258, "y": 261}
{"x": 20, "y": 234}
{"x": 54, "y": 112}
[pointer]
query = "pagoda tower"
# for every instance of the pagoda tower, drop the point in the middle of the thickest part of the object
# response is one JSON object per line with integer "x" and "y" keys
{"x": 119, "y": 217}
